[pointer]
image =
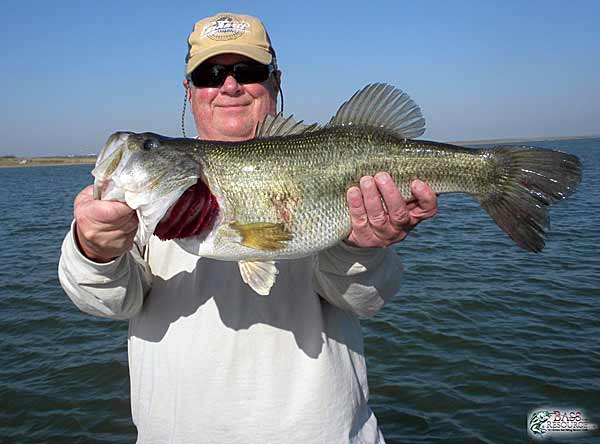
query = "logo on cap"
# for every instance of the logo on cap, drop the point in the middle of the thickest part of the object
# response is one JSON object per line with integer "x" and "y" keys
{"x": 225, "y": 27}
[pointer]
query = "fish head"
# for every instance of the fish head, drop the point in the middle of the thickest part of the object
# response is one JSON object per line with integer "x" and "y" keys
{"x": 132, "y": 167}
{"x": 147, "y": 171}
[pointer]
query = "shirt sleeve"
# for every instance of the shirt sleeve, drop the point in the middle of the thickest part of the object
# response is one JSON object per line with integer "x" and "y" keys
{"x": 114, "y": 289}
{"x": 360, "y": 280}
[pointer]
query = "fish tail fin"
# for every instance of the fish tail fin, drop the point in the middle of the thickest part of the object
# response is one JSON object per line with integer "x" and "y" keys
{"x": 528, "y": 180}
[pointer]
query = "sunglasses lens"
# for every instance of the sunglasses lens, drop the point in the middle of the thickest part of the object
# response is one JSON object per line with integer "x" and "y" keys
{"x": 215, "y": 75}
{"x": 250, "y": 73}
{"x": 208, "y": 76}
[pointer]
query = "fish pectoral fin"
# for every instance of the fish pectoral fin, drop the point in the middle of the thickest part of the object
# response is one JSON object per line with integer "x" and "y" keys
{"x": 262, "y": 235}
{"x": 259, "y": 275}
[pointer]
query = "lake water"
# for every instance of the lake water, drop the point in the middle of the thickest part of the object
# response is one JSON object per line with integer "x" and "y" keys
{"x": 482, "y": 333}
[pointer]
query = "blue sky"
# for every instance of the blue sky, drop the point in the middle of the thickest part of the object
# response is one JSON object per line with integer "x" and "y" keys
{"x": 74, "y": 72}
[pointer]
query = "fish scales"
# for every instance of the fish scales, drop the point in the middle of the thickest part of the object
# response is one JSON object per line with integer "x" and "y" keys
{"x": 301, "y": 180}
{"x": 282, "y": 195}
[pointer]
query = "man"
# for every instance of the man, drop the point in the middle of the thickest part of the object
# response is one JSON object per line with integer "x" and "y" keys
{"x": 210, "y": 360}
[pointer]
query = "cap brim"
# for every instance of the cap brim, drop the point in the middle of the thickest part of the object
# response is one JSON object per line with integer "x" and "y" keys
{"x": 259, "y": 54}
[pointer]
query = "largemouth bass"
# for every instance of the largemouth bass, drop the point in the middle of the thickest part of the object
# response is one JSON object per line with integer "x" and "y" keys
{"x": 282, "y": 194}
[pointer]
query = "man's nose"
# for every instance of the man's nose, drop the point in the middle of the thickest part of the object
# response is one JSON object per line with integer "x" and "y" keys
{"x": 231, "y": 86}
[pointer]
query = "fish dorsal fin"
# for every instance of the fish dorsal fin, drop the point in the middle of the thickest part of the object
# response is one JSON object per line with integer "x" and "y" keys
{"x": 380, "y": 105}
{"x": 278, "y": 125}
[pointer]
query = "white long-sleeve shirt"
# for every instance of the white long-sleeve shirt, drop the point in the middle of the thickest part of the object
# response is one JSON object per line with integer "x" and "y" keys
{"x": 211, "y": 361}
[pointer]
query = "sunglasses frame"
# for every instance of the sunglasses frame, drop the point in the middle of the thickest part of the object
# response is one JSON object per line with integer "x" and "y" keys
{"x": 230, "y": 70}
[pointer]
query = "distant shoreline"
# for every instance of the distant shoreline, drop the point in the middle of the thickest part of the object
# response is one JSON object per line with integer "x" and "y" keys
{"x": 13, "y": 161}
{"x": 521, "y": 140}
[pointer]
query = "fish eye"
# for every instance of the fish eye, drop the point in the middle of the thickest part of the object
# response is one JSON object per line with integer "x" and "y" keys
{"x": 150, "y": 144}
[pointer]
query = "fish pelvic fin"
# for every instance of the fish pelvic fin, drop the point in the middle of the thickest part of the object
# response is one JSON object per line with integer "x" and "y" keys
{"x": 382, "y": 106}
{"x": 259, "y": 275}
{"x": 262, "y": 235}
{"x": 528, "y": 181}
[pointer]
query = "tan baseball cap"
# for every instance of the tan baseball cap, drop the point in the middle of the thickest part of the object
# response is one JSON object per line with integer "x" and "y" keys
{"x": 227, "y": 32}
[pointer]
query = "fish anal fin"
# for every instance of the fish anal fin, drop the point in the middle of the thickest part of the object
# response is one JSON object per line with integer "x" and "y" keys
{"x": 262, "y": 235}
{"x": 259, "y": 275}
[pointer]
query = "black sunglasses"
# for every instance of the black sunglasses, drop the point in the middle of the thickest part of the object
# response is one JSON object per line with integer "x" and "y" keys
{"x": 242, "y": 72}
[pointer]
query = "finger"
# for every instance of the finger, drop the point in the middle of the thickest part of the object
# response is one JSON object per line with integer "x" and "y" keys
{"x": 426, "y": 200}
{"x": 110, "y": 212}
{"x": 372, "y": 201}
{"x": 131, "y": 225}
{"x": 356, "y": 207}
{"x": 89, "y": 190}
{"x": 358, "y": 214}
{"x": 411, "y": 205}
{"x": 84, "y": 195}
{"x": 396, "y": 206}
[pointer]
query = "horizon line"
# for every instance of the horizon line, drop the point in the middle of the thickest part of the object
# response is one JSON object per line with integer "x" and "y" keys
{"x": 524, "y": 139}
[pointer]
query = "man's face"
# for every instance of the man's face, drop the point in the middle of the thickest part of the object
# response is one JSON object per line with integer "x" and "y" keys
{"x": 231, "y": 111}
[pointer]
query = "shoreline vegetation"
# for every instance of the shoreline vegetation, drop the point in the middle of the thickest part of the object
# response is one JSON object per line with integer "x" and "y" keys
{"x": 16, "y": 161}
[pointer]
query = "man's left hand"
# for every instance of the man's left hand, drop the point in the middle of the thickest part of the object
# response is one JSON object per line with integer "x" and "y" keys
{"x": 374, "y": 225}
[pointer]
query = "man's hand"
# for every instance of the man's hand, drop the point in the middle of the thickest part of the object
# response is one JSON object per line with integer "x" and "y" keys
{"x": 104, "y": 229}
{"x": 374, "y": 225}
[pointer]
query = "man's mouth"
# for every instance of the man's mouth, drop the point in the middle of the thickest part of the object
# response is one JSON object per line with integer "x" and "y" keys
{"x": 233, "y": 105}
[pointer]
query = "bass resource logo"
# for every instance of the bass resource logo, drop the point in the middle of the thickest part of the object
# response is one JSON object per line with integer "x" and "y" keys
{"x": 225, "y": 27}
{"x": 546, "y": 422}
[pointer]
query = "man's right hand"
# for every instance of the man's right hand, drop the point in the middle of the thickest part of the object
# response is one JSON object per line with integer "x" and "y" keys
{"x": 105, "y": 229}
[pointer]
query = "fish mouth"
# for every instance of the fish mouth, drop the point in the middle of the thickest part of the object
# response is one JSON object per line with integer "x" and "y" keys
{"x": 108, "y": 161}
{"x": 192, "y": 214}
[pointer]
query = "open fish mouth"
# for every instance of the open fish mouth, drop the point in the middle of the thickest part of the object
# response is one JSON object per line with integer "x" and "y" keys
{"x": 108, "y": 162}
{"x": 193, "y": 213}
{"x": 115, "y": 179}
